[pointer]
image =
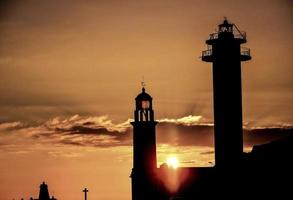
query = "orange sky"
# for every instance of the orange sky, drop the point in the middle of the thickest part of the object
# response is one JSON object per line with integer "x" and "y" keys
{"x": 63, "y": 63}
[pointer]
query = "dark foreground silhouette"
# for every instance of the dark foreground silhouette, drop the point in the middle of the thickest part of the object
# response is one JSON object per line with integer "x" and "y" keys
{"x": 44, "y": 193}
{"x": 264, "y": 173}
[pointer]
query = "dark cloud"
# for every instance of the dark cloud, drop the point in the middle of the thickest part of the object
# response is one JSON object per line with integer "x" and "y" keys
{"x": 264, "y": 135}
{"x": 203, "y": 135}
{"x": 100, "y": 131}
{"x": 183, "y": 135}
{"x": 207, "y": 152}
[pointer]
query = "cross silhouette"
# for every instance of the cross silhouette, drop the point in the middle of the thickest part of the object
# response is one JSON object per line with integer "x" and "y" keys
{"x": 85, "y": 193}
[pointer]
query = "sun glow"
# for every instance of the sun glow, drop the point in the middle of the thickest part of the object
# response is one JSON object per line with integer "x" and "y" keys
{"x": 172, "y": 162}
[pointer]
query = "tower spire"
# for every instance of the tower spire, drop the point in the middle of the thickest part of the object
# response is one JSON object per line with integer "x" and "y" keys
{"x": 143, "y": 84}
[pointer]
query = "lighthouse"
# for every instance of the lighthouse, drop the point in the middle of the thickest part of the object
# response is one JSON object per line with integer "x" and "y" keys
{"x": 226, "y": 54}
{"x": 143, "y": 174}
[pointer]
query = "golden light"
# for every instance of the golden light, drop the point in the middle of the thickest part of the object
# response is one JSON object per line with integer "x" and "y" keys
{"x": 173, "y": 162}
{"x": 145, "y": 104}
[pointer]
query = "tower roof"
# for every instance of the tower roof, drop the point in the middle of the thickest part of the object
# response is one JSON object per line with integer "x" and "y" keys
{"x": 143, "y": 96}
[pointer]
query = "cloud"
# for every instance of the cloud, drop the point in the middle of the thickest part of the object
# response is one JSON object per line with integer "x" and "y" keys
{"x": 98, "y": 131}
{"x": 187, "y": 155}
{"x": 59, "y": 153}
{"x": 260, "y": 135}
{"x": 78, "y": 124}
{"x": 6, "y": 126}
{"x": 189, "y": 120}
{"x": 101, "y": 131}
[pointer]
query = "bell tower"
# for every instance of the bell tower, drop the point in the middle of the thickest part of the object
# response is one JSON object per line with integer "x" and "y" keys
{"x": 226, "y": 54}
{"x": 144, "y": 148}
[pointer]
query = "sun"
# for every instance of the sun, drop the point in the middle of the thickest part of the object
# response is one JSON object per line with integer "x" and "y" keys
{"x": 172, "y": 162}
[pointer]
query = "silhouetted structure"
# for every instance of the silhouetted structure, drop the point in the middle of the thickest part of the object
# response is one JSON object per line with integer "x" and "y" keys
{"x": 144, "y": 148}
{"x": 85, "y": 193}
{"x": 44, "y": 193}
{"x": 263, "y": 173}
{"x": 226, "y": 54}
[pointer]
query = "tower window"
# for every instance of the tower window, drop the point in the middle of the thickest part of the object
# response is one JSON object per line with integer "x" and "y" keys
{"x": 145, "y": 105}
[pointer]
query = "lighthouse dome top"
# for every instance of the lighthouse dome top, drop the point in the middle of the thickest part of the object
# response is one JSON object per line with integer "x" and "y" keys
{"x": 227, "y": 30}
{"x": 226, "y": 26}
{"x": 143, "y": 96}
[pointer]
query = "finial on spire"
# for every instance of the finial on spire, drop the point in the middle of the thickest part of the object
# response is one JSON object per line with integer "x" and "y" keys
{"x": 225, "y": 20}
{"x": 143, "y": 84}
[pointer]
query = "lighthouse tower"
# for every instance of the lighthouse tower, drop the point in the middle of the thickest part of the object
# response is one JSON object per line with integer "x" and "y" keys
{"x": 144, "y": 149}
{"x": 225, "y": 52}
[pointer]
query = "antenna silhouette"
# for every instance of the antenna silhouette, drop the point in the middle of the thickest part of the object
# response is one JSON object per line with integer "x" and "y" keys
{"x": 143, "y": 82}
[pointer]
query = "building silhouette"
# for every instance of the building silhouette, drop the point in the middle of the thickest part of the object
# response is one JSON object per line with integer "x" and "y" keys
{"x": 144, "y": 148}
{"x": 44, "y": 193}
{"x": 226, "y": 54}
{"x": 263, "y": 173}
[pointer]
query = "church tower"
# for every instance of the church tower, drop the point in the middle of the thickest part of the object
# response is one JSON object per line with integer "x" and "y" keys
{"x": 144, "y": 149}
{"x": 44, "y": 192}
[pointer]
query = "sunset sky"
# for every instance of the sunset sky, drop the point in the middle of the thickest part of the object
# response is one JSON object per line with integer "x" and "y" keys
{"x": 70, "y": 70}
